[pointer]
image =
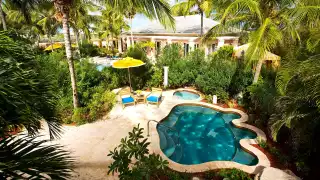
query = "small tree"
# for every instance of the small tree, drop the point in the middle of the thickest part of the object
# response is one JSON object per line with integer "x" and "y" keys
{"x": 132, "y": 159}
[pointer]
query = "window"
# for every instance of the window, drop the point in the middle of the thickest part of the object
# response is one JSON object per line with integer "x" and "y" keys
{"x": 158, "y": 46}
{"x": 186, "y": 48}
{"x": 213, "y": 47}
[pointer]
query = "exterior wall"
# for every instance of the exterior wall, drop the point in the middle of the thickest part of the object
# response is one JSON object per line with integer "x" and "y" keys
{"x": 191, "y": 42}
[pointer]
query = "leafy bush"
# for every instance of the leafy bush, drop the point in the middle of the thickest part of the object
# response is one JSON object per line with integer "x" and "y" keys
{"x": 241, "y": 79}
{"x": 93, "y": 88}
{"x": 156, "y": 78}
{"x": 216, "y": 76}
{"x": 224, "y": 52}
{"x": 279, "y": 156}
{"x": 88, "y": 49}
{"x": 210, "y": 174}
{"x": 234, "y": 173}
{"x": 137, "y": 52}
{"x": 170, "y": 55}
{"x": 100, "y": 103}
{"x": 132, "y": 159}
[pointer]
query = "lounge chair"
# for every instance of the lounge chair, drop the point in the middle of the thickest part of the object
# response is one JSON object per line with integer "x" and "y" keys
{"x": 154, "y": 97}
{"x": 126, "y": 97}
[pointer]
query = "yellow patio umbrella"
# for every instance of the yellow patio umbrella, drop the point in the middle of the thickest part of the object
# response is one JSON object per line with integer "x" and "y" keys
{"x": 127, "y": 63}
{"x": 56, "y": 46}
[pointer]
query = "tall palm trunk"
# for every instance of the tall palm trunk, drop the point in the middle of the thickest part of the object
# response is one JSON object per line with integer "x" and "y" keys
{"x": 132, "y": 42}
{"x": 258, "y": 70}
{"x": 66, "y": 33}
{"x": 3, "y": 19}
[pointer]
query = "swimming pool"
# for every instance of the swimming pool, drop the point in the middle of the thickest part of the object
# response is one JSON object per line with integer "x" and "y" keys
{"x": 194, "y": 134}
{"x": 186, "y": 95}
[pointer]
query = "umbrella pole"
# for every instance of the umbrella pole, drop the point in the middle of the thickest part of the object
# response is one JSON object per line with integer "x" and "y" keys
{"x": 129, "y": 79}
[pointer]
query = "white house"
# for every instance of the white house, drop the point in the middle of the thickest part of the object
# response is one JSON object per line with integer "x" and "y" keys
{"x": 187, "y": 33}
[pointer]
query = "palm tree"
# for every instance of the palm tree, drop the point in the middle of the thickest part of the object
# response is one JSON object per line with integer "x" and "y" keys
{"x": 63, "y": 8}
{"x": 47, "y": 21}
{"x": 153, "y": 9}
{"x": 130, "y": 13}
{"x": 80, "y": 19}
{"x": 3, "y": 19}
{"x": 191, "y": 7}
{"x": 24, "y": 7}
{"x": 267, "y": 23}
{"x": 111, "y": 25}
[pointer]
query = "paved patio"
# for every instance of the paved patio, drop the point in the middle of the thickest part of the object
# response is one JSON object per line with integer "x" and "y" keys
{"x": 90, "y": 143}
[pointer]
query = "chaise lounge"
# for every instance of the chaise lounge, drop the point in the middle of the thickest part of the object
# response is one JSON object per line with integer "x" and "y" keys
{"x": 126, "y": 97}
{"x": 154, "y": 97}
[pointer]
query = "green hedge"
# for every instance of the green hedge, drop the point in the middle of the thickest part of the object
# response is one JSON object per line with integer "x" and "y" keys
{"x": 218, "y": 74}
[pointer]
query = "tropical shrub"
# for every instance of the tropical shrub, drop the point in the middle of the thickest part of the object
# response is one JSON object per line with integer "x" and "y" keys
{"x": 156, "y": 78}
{"x": 27, "y": 97}
{"x": 131, "y": 159}
{"x": 234, "y": 174}
{"x": 295, "y": 119}
{"x": 137, "y": 52}
{"x": 170, "y": 55}
{"x": 224, "y": 52}
{"x": 93, "y": 86}
{"x": 87, "y": 49}
{"x": 216, "y": 76}
{"x": 241, "y": 79}
{"x": 102, "y": 102}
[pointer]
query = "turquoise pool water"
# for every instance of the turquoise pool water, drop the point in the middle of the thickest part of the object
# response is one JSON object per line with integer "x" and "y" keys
{"x": 193, "y": 134}
{"x": 186, "y": 95}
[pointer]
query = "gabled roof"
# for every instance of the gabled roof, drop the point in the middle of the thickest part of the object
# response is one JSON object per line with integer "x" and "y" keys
{"x": 184, "y": 25}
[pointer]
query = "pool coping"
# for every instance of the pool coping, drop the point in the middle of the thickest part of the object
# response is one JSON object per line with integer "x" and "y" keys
{"x": 190, "y": 90}
{"x": 263, "y": 161}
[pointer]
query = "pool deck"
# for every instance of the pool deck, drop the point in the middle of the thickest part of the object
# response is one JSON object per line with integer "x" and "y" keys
{"x": 90, "y": 143}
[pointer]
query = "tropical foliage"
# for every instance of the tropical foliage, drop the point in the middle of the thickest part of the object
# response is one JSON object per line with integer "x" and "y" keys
{"x": 202, "y": 7}
{"x": 267, "y": 23}
{"x": 27, "y": 98}
{"x": 132, "y": 159}
{"x": 215, "y": 75}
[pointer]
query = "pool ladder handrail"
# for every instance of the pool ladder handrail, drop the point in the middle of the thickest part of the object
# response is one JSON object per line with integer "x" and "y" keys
{"x": 148, "y": 128}
{"x": 148, "y": 134}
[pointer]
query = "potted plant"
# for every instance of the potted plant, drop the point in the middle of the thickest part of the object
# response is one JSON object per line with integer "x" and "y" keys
{"x": 139, "y": 92}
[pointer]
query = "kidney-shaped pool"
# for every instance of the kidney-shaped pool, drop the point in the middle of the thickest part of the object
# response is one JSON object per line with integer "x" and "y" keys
{"x": 194, "y": 134}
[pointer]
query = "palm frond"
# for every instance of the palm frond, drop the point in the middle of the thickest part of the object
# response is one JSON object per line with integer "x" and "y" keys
{"x": 306, "y": 13}
{"x": 153, "y": 9}
{"x": 26, "y": 98}
{"x": 262, "y": 40}
{"x": 23, "y": 157}
{"x": 232, "y": 25}
{"x": 181, "y": 9}
{"x": 239, "y": 6}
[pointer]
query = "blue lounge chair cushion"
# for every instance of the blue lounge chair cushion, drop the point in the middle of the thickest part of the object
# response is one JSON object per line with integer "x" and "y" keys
{"x": 127, "y": 100}
{"x": 153, "y": 98}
